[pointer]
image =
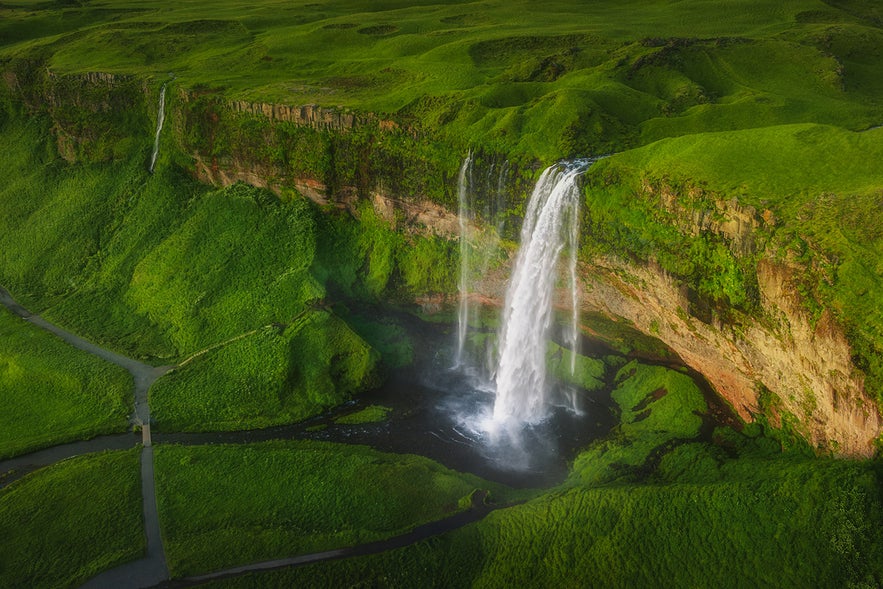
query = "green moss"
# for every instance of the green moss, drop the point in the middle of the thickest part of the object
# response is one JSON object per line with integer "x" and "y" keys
{"x": 588, "y": 372}
{"x": 658, "y": 406}
{"x": 63, "y": 524}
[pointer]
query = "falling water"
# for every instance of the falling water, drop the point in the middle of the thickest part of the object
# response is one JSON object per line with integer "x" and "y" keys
{"x": 463, "y": 185}
{"x": 573, "y": 336}
{"x": 521, "y": 372}
{"x": 159, "y": 121}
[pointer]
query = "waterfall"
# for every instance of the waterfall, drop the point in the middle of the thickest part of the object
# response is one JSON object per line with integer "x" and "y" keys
{"x": 573, "y": 336}
{"x": 159, "y": 121}
{"x": 527, "y": 316}
{"x": 463, "y": 185}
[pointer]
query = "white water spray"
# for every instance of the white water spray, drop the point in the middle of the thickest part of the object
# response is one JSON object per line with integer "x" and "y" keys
{"x": 159, "y": 121}
{"x": 521, "y": 372}
{"x": 463, "y": 185}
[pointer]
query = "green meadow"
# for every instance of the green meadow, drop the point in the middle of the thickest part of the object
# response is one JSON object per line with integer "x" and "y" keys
{"x": 52, "y": 393}
{"x": 66, "y": 523}
{"x": 226, "y": 505}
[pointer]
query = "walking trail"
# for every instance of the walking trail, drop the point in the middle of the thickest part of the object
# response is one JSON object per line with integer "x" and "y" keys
{"x": 151, "y": 569}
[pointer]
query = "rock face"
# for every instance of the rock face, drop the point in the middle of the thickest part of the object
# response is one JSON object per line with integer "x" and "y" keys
{"x": 807, "y": 368}
{"x": 311, "y": 115}
{"x": 414, "y": 214}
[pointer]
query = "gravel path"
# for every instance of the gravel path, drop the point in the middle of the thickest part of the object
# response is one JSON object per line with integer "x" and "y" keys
{"x": 151, "y": 569}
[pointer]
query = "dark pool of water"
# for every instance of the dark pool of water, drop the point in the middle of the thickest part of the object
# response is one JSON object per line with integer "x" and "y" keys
{"x": 436, "y": 410}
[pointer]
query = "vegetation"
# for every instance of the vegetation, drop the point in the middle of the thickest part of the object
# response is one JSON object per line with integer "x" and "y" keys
{"x": 52, "y": 393}
{"x": 370, "y": 414}
{"x": 279, "y": 374}
{"x": 63, "y": 524}
{"x": 226, "y": 505}
{"x": 786, "y": 521}
{"x": 580, "y": 80}
{"x": 175, "y": 269}
{"x": 656, "y": 501}
{"x": 659, "y": 408}
{"x": 819, "y": 188}
{"x": 767, "y": 107}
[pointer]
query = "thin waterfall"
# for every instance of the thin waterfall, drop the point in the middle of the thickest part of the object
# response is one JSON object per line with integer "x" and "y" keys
{"x": 463, "y": 186}
{"x": 527, "y": 315}
{"x": 159, "y": 121}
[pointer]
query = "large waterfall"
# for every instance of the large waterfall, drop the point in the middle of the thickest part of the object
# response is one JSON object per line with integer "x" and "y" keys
{"x": 551, "y": 224}
{"x": 160, "y": 117}
{"x": 463, "y": 186}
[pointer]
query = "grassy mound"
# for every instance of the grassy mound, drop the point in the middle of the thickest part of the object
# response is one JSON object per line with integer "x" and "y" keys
{"x": 276, "y": 375}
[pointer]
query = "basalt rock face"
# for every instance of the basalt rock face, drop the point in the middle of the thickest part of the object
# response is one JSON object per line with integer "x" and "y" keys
{"x": 93, "y": 114}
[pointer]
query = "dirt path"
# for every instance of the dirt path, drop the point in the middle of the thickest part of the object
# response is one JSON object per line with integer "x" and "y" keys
{"x": 151, "y": 569}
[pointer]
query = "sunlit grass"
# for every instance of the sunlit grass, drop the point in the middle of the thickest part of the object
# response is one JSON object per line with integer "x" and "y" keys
{"x": 52, "y": 393}
{"x": 226, "y": 505}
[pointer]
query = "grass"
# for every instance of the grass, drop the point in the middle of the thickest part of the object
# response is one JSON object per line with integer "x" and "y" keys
{"x": 820, "y": 186}
{"x": 53, "y": 393}
{"x": 735, "y": 513}
{"x": 160, "y": 267}
{"x": 277, "y": 375}
{"x": 658, "y": 407}
{"x": 65, "y": 523}
{"x": 764, "y": 522}
{"x": 581, "y": 79}
{"x": 370, "y": 414}
{"x": 226, "y": 505}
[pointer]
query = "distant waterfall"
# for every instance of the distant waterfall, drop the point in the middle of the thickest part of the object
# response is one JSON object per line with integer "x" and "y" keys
{"x": 550, "y": 224}
{"x": 159, "y": 121}
{"x": 463, "y": 186}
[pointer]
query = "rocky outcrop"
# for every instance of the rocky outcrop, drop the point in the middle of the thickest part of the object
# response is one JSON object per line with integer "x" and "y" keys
{"x": 416, "y": 214}
{"x": 316, "y": 117}
{"x": 807, "y": 367}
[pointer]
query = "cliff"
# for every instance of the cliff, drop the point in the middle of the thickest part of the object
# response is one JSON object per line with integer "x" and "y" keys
{"x": 757, "y": 344}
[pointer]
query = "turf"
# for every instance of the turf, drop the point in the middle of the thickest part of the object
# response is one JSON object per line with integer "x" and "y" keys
{"x": 715, "y": 522}
{"x": 52, "y": 393}
{"x": 226, "y": 505}
{"x": 277, "y": 375}
{"x": 63, "y": 524}
{"x": 582, "y": 77}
